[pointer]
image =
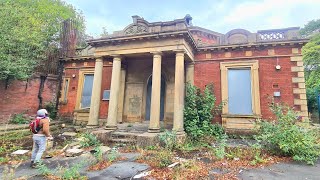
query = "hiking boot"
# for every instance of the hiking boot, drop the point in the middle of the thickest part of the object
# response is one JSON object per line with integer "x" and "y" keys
{"x": 31, "y": 164}
{"x": 34, "y": 164}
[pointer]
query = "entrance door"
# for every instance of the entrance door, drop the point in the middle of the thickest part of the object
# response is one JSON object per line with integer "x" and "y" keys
{"x": 148, "y": 100}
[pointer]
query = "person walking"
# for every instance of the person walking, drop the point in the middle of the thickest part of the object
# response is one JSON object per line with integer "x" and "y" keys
{"x": 40, "y": 137}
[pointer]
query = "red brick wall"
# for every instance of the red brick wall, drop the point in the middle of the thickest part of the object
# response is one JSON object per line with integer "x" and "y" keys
{"x": 22, "y": 96}
{"x": 207, "y": 70}
{"x": 68, "y": 108}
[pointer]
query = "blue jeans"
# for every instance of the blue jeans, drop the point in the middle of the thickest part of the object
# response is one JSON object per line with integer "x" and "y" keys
{"x": 39, "y": 146}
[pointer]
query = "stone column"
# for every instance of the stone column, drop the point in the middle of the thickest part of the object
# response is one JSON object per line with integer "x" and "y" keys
{"x": 154, "y": 126}
{"x": 114, "y": 94}
{"x": 96, "y": 95}
{"x": 190, "y": 73}
{"x": 179, "y": 93}
{"x": 121, "y": 94}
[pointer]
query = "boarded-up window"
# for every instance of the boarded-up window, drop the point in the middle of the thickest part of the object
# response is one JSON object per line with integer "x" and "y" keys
{"x": 87, "y": 91}
{"x": 239, "y": 91}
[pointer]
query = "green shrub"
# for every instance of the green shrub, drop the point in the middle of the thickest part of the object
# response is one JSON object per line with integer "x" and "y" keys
{"x": 73, "y": 172}
{"x": 98, "y": 153}
{"x": 199, "y": 112}
{"x": 287, "y": 137}
{"x": 89, "y": 140}
{"x": 164, "y": 158}
{"x": 43, "y": 169}
{"x": 168, "y": 138}
{"x": 18, "y": 119}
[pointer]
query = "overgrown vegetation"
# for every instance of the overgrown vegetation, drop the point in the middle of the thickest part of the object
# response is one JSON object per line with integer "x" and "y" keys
{"x": 18, "y": 119}
{"x": 287, "y": 137}
{"x": 199, "y": 112}
{"x": 168, "y": 139}
{"x": 64, "y": 173}
{"x": 89, "y": 140}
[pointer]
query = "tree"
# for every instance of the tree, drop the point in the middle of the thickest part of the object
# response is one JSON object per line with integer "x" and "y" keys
{"x": 104, "y": 32}
{"x": 28, "y": 28}
{"x": 311, "y": 58}
{"x": 311, "y": 52}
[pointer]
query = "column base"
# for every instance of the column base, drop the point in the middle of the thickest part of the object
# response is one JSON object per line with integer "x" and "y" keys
{"x": 153, "y": 130}
{"x": 111, "y": 127}
{"x": 179, "y": 132}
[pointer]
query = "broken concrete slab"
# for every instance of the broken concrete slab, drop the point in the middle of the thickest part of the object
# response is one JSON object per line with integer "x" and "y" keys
{"x": 73, "y": 152}
{"x": 124, "y": 170}
{"x": 130, "y": 156}
{"x": 19, "y": 152}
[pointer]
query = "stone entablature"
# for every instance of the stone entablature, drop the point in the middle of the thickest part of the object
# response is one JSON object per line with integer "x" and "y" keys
{"x": 198, "y": 38}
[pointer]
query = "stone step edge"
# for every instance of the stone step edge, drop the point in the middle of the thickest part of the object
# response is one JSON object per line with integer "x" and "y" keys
{"x": 123, "y": 140}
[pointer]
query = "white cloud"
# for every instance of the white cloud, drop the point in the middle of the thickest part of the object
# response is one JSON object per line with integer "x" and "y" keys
{"x": 220, "y": 16}
{"x": 272, "y": 14}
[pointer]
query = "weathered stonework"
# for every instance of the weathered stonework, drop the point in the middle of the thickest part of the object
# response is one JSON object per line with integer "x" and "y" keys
{"x": 158, "y": 58}
{"x": 300, "y": 100}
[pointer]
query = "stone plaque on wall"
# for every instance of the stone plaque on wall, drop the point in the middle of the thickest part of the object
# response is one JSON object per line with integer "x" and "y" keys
{"x": 133, "y": 102}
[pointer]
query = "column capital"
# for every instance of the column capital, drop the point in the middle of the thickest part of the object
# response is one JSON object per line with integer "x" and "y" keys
{"x": 179, "y": 52}
{"x": 116, "y": 57}
{"x": 98, "y": 58}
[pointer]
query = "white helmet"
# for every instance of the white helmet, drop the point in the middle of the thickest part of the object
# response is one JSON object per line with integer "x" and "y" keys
{"x": 42, "y": 113}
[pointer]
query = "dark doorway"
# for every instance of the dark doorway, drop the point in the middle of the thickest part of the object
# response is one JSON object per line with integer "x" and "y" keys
{"x": 148, "y": 100}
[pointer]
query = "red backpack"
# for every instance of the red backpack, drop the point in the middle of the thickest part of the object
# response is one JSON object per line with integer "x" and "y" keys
{"x": 34, "y": 125}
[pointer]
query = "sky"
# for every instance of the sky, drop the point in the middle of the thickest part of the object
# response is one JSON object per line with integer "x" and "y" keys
{"x": 217, "y": 15}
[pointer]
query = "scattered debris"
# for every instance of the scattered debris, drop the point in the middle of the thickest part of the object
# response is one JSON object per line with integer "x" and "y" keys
{"x": 141, "y": 175}
{"x": 73, "y": 152}
{"x": 70, "y": 134}
{"x": 105, "y": 149}
{"x": 173, "y": 165}
{"x": 64, "y": 148}
{"x": 20, "y": 152}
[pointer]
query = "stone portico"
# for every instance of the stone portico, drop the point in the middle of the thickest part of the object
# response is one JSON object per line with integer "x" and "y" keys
{"x": 138, "y": 75}
{"x": 145, "y": 68}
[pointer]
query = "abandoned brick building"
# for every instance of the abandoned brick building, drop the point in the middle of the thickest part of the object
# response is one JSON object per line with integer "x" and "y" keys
{"x": 139, "y": 74}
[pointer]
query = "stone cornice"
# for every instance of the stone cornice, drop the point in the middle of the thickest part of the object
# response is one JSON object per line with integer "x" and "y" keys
{"x": 137, "y": 37}
{"x": 78, "y": 58}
